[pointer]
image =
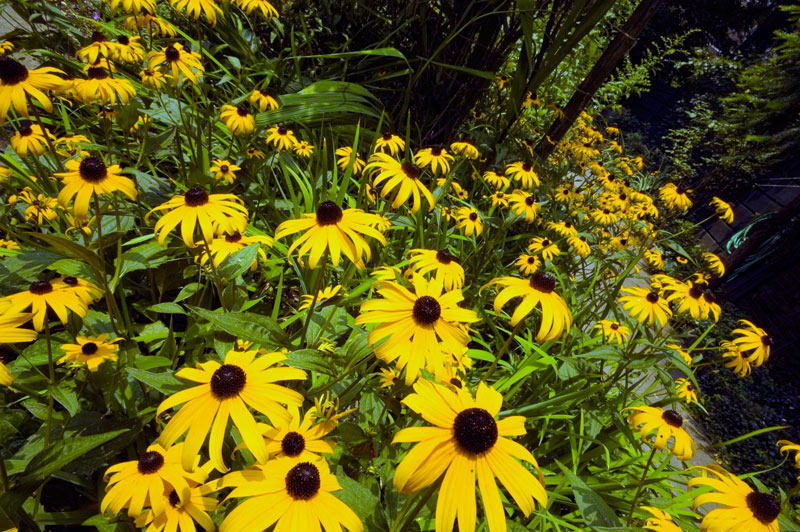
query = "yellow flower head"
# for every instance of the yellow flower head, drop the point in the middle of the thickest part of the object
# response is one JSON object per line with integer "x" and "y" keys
{"x": 345, "y": 155}
{"x": 723, "y": 209}
{"x": 183, "y": 64}
{"x": 469, "y": 220}
{"x": 225, "y": 244}
{"x": 264, "y": 99}
{"x": 267, "y": 9}
{"x": 470, "y": 447}
{"x": 523, "y": 172}
{"x": 329, "y": 292}
{"x": 17, "y": 83}
{"x": 238, "y": 120}
{"x": 41, "y": 297}
{"x": 30, "y": 139}
{"x": 401, "y": 176}
{"x": 101, "y": 88}
{"x": 436, "y": 157}
{"x": 613, "y": 331}
{"x": 195, "y": 8}
{"x": 281, "y": 137}
{"x": 224, "y": 170}
{"x": 668, "y": 424}
{"x": 755, "y": 340}
{"x": 391, "y": 143}
{"x": 88, "y": 177}
{"x": 684, "y": 389}
{"x": 442, "y": 263}
{"x": 543, "y": 247}
{"x": 538, "y": 291}
{"x": 645, "y": 304}
{"x": 523, "y": 203}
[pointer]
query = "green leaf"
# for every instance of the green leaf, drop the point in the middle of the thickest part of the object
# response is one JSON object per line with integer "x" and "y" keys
{"x": 70, "y": 249}
{"x": 260, "y": 330}
{"x": 167, "y": 308}
{"x": 61, "y": 453}
{"x": 309, "y": 359}
{"x": 66, "y": 397}
{"x": 237, "y": 263}
{"x": 595, "y": 510}
{"x": 165, "y": 383}
{"x": 356, "y": 497}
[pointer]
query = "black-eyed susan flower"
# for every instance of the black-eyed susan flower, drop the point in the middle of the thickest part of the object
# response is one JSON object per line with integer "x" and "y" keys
{"x": 224, "y": 392}
{"x": 90, "y": 351}
{"x": 469, "y": 446}
{"x": 83, "y": 289}
{"x": 147, "y": 22}
{"x": 668, "y": 424}
{"x": 496, "y": 179}
{"x": 41, "y": 207}
{"x": 753, "y": 342}
{"x": 613, "y": 332}
{"x": 132, "y": 6}
{"x": 734, "y": 360}
{"x": 17, "y": 82}
{"x": 436, "y": 157}
{"x": 723, "y": 209}
{"x": 685, "y": 390}
{"x": 738, "y": 506}
{"x": 499, "y": 198}
{"x": 564, "y": 229}
{"x": 660, "y": 521}
{"x": 538, "y": 291}
{"x": 523, "y": 172}
{"x": 333, "y": 230}
{"x": 675, "y": 197}
{"x": 225, "y": 244}
{"x": 644, "y": 304}
{"x": 195, "y": 8}
{"x": 401, "y": 176}
{"x": 157, "y": 471}
{"x": 183, "y": 63}
{"x": 543, "y": 247}
{"x": 181, "y": 515}
{"x": 6, "y": 47}
{"x": 527, "y": 264}
{"x": 254, "y": 153}
{"x": 40, "y": 297}
{"x": 11, "y": 331}
{"x": 345, "y": 155}
{"x": 689, "y": 297}
{"x": 99, "y": 48}
{"x": 441, "y": 262}
{"x": 30, "y": 139}
{"x": 88, "y": 177}
{"x": 265, "y": 100}
{"x": 502, "y": 81}
{"x": 466, "y": 148}
{"x": 524, "y": 204}
{"x": 224, "y": 170}
{"x": 128, "y": 50}
{"x": 329, "y": 292}
{"x": 786, "y": 446}
{"x": 388, "y": 378}
{"x": 153, "y": 79}
{"x": 221, "y": 212}
{"x": 418, "y": 327}
{"x": 300, "y": 438}
{"x": 238, "y": 120}
{"x": 469, "y": 220}
{"x": 282, "y": 138}
{"x": 714, "y": 264}
{"x": 654, "y": 258}
{"x": 603, "y": 216}
{"x": 266, "y": 8}
{"x": 296, "y": 495}
{"x": 303, "y": 149}
{"x": 70, "y": 145}
{"x": 391, "y": 143}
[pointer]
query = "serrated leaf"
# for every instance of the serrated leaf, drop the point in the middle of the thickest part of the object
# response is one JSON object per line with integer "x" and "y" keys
{"x": 255, "y": 328}
{"x": 61, "y": 453}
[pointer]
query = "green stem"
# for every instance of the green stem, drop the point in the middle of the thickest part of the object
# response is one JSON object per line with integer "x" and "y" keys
{"x": 406, "y": 517}
{"x": 502, "y": 351}
{"x": 641, "y": 485}
{"x": 317, "y": 286}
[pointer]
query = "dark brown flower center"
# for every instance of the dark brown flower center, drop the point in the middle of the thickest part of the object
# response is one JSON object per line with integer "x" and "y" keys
{"x": 436, "y": 151}
{"x": 583, "y": 239}
{"x": 41, "y": 288}
{"x": 25, "y": 129}
{"x": 235, "y": 237}
{"x": 387, "y": 136}
{"x": 623, "y": 197}
{"x": 98, "y": 37}
{"x": 767, "y": 340}
{"x": 227, "y": 381}
{"x": 123, "y": 40}
{"x": 500, "y": 195}
{"x": 302, "y": 481}
{"x": 545, "y": 243}
{"x": 473, "y": 216}
{"x": 456, "y": 382}
{"x": 527, "y": 167}
{"x": 92, "y": 169}
{"x": 764, "y": 506}
{"x": 614, "y": 326}
{"x": 529, "y": 201}
{"x": 89, "y": 348}
{"x": 12, "y": 72}
{"x": 426, "y": 310}
{"x": 293, "y": 444}
{"x": 150, "y": 462}
{"x": 652, "y": 297}
{"x": 224, "y": 168}
{"x": 282, "y": 130}
{"x": 709, "y": 297}
{"x": 531, "y": 260}
{"x": 444, "y": 256}
{"x": 328, "y": 213}
{"x": 543, "y": 282}
{"x": 567, "y": 225}
{"x": 475, "y": 430}
{"x": 242, "y": 110}
{"x": 174, "y": 500}
{"x": 695, "y": 292}
{"x": 195, "y": 197}
{"x": 96, "y": 73}
{"x": 681, "y": 189}
{"x": 265, "y": 92}
{"x": 623, "y": 241}
{"x": 148, "y": 72}
{"x": 606, "y": 211}
{"x": 411, "y": 170}
{"x": 672, "y": 418}
{"x": 70, "y": 280}
{"x": 172, "y": 54}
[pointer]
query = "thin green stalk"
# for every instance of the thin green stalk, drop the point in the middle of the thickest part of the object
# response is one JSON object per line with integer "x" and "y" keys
{"x": 502, "y": 351}
{"x": 317, "y": 286}
{"x": 641, "y": 485}
{"x": 404, "y": 521}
